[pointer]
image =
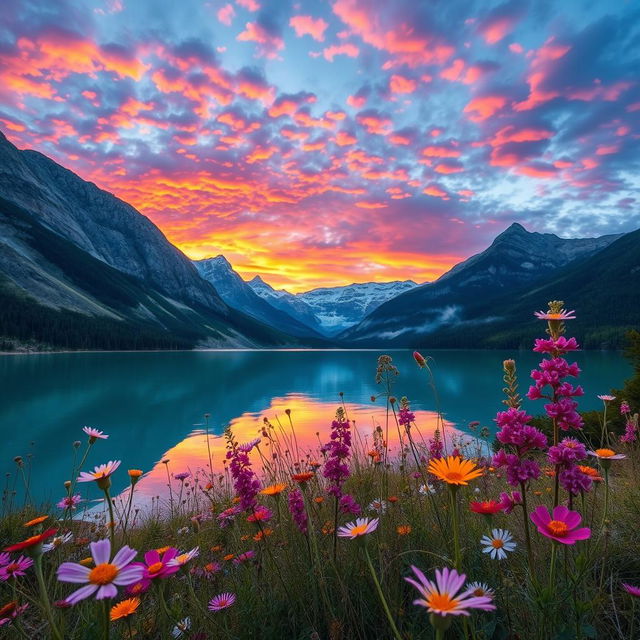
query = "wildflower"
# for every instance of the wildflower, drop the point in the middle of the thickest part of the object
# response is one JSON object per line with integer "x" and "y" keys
{"x": 629, "y": 435}
{"x": 403, "y": 529}
{"x": 606, "y": 454}
{"x": 274, "y": 489}
{"x": 566, "y": 452}
{"x": 10, "y": 611}
{"x": 243, "y": 557}
{"x": 138, "y": 587}
{"x": 361, "y": 527}
{"x": 561, "y": 315}
{"x": 35, "y": 521}
{"x": 94, "y": 434}
{"x": 32, "y": 544}
{"x": 454, "y": 471}
{"x": 392, "y": 499}
{"x": 69, "y": 502}
{"x": 591, "y": 472}
{"x": 105, "y": 576}
{"x": 574, "y": 481}
{"x": 419, "y": 358}
{"x": 318, "y": 499}
{"x": 297, "y": 510}
{"x": 260, "y": 514}
{"x": 519, "y": 470}
{"x": 630, "y": 589}
{"x": 183, "y": 475}
{"x": 101, "y": 474}
{"x": 262, "y": 534}
{"x": 301, "y": 478}
{"x": 247, "y": 446}
{"x": 336, "y": 468}
{"x": 181, "y": 559}
{"x": 181, "y": 628}
{"x": 606, "y": 398}
{"x": 488, "y": 507}
{"x": 16, "y": 568}
{"x": 498, "y": 544}
{"x": 378, "y": 505}
{"x": 443, "y": 598}
{"x": 245, "y": 482}
{"x": 624, "y": 407}
{"x": 57, "y": 542}
{"x": 556, "y": 346}
{"x": 5, "y": 558}
{"x": 436, "y": 446}
{"x": 425, "y": 489}
{"x": 124, "y": 609}
{"x": 479, "y": 589}
{"x": 156, "y": 563}
{"x": 229, "y": 556}
{"x": 561, "y": 526}
{"x": 347, "y": 504}
{"x": 227, "y": 516}
{"x": 222, "y": 601}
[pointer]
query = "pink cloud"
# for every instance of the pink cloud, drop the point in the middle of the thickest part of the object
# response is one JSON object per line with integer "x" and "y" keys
{"x": 225, "y": 14}
{"x": 250, "y": 5}
{"x": 306, "y": 25}
{"x": 441, "y": 151}
{"x": 402, "y": 84}
{"x": 269, "y": 43}
{"x": 484, "y": 107}
{"x": 453, "y": 72}
{"x": 436, "y": 192}
{"x": 334, "y": 50}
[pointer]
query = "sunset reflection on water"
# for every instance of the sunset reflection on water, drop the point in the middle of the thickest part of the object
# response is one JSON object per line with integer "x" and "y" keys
{"x": 298, "y": 440}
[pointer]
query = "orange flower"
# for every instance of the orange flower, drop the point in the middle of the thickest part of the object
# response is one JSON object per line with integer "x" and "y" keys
{"x": 235, "y": 500}
{"x": 35, "y": 521}
{"x": 218, "y": 547}
{"x": 328, "y": 529}
{"x": 229, "y": 556}
{"x": 454, "y": 471}
{"x": 318, "y": 500}
{"x": 392, "y": 499}
{"x": 274, "y": 489}
{"x": 244, "y": 538}
{"x": 303, "y": 477}
{"x": 404, "y": 529}
{"x": 33, "y": 541}
{"x": 124, "y": 609}
{"x": 262, "y": 534}
{"x": 591, "y": 472}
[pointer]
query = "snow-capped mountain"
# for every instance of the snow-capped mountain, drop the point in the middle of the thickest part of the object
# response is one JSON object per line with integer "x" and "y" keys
{"x": 338, "y": 308}
{"x": 239, "y": 295}
{"x": 516, "y": 257}
{"x": 285, "y": 301}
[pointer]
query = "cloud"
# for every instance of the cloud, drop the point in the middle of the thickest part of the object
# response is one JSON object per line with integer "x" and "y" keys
{"x": 306, "y": 25}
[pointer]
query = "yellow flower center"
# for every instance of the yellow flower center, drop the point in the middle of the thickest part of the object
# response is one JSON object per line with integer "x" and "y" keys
{"x": 102, "y": 574}
{"x": 558, "y": 528}
{"x": 496, "y": 543}
{"x": 358, "y": 530}
{"x": 605, "y": 453}
{"x": 155, "y": 567}
{"x": 441, "y": 602}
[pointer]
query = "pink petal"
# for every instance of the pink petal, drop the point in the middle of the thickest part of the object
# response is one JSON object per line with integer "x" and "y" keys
{"x": 560, "y": 513}
{"x": 129, "y": 575}
{"x": 151, "y": 557}
{"x": 101, "y": 551}
{"x": 73, "y": 572}
{"x": 573, "y": 519}
{"x": 124, "y": 557}
{"x": 82, "y": 593}
{"x": 106, "y": 591}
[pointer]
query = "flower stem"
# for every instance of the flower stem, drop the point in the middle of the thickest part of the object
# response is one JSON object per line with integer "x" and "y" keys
{"x": 527, "y": 533}
{"x": 107, "y": 626}
{"x": 112, "y": 522}
{"x": 456, "y": 535}
{"x": 383, "y": 600}
{"x": 552, "y": 565}
{"x": 44, "y": 597}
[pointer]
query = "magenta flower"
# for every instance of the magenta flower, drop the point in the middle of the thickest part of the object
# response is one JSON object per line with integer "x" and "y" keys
{"x": 562, "y": 526}
{"x": 624, "y": 407}
{"x": 606, "y": 398}
{"x": 562, "y": 315}
{"x": 630, "y": 589}
{"x": 260, "y": 514}
{"x": 156, "y": 564}
{"x": 94, "y": 434}
{"x": 16, "y": 568}
{"x": 245, "y": 481}
{"x": 228, "y": 515}
{"x": 5, "y": 558}
{"x": 567, "y": 452}
{"x": 297, "y": 510}
{"x": 69, "y": 502}
{"x": 574, "y": 480}
{"x": 508, "y": 501}
{"x": 243, "y": 557}
{"x": 556, "y": 347}
{"x": 347, "y": 504}
{"x": 222, "y": 601}
{"x": 443, "y": 597}
{"x": 105, "y": 577}
{"x": 247, "y": 446}
{"x": 336, "y": 468}
{"x": 10, "y": 612}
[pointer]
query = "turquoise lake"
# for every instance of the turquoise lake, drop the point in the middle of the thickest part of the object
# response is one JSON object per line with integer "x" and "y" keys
{"x": 152, "y": 403}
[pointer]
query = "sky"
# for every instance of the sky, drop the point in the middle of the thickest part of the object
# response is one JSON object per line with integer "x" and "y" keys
{"x": 318, "y": 143}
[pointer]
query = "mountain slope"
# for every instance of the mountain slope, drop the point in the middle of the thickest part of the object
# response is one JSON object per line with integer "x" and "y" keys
{"x": 515, "y": 258}
{"x": 73, "y": 253}
{"x": 239, "y": 295}
{"x": 290, "y": 303}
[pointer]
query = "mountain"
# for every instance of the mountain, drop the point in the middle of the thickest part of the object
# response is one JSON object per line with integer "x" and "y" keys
{"x": 81, "y": 268}
{"x": 515, "y": 258}
{"x": 239, "y": 295}
{"x": 338, "y": 308}
{"x": 285, "y": 301}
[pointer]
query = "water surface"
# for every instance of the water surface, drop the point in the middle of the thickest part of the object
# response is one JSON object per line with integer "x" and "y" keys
{"x": 152, "y": 403}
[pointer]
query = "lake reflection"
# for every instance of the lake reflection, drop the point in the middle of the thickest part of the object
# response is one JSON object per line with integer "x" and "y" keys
{"x": 151, "y": 404}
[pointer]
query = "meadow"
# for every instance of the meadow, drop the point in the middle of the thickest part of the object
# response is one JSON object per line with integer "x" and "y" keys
{"x": 528, "y": 532}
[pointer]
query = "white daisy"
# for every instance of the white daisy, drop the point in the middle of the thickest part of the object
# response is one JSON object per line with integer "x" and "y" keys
{"x": 181, "y": 628}
{"x": 378, "y": 505}
{"x": 478, "y": 589}
{"x": 498, "y": 544}
{"x": 426, "y": 489}
{"x": 57, "y": 541}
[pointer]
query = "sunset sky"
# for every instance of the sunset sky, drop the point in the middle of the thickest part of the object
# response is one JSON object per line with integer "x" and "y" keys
{"x": 321, "y": 143}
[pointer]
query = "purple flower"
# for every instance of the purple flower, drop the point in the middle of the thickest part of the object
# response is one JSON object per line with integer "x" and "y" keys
{"x": 508, "y": 501}
{"x": 624, "y": 407}
{"x": 296, "y": 507}
{"x": 243, "y": 557}
{"x": 228, "y": 515}
{"x": 436, "y": 447}
{"x": 105, "y": 577}
{"x": 183, "y": 475}
{"x": 347, "y": 504}
{"x": 69, "y": 502}
{"x": 574, "y": 481}
{"x": 556, "y": 347}
{"x": 15, "y": 568}
{"x": 406, "y": 417}
{"x": 567, "y": 452}
{"x": 338, "y": 450}
{"x": 518, "y": 470}
{"x": 245, "y": 482}
{"x": 629, "y": 435}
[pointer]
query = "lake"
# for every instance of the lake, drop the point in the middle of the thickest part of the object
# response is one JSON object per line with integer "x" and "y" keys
{"x": 152, "y": 403}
